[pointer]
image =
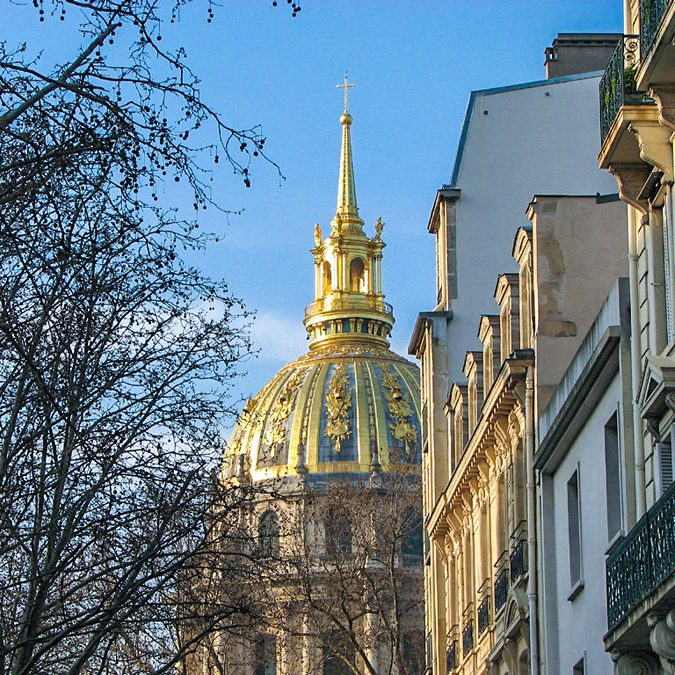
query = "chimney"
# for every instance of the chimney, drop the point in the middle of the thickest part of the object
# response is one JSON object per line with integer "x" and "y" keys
{"x": 574, "y": 53}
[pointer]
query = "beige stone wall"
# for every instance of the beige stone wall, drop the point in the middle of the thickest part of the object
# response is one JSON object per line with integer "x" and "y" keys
{"x": 579, "y": 250}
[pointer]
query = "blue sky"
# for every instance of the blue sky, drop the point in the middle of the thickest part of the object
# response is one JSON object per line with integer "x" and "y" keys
{"x": 414, "y": 63}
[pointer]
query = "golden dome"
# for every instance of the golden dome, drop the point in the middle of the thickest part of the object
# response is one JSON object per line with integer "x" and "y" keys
{"x": 350, "y": 404}
{"x": 341, "y": 408}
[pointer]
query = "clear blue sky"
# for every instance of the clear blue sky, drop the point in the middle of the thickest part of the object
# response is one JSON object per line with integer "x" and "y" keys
{"x": 414, "y": 63}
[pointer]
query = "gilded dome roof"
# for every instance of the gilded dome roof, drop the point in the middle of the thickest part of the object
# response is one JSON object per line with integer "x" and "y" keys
{"x": 350, "y": 404}
{"x": 339, "y": 408}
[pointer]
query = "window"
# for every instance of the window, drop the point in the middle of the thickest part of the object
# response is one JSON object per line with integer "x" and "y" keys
{"x": 412, "y": 539}
{"x": 613, "y": 478}
{"x": 412, "y": 652}
{"x": 268, "y": 533}
{"x": 266, "y": 655}
{"x": 338, "y": 533}
{"x": 580, "y": 667}
{"x": 664, "y": 469}
{"x": 574, "y": 528}
{"x": 338, "y": 656}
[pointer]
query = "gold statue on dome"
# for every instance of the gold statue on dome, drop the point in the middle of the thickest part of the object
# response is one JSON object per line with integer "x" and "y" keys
{"x": 338, "y": 223}
{"x": 318, "y": 235}
{"x": 379, "y": 226}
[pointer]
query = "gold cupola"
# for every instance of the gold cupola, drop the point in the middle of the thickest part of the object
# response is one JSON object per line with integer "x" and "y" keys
{"x": 350, "y": 405}
{"x": 349, "y": 303}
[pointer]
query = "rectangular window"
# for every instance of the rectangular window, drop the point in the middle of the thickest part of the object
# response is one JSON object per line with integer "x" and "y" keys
{"x": 664, "y": 470}
{"x": 613, "y": 482}
{"x": 574, "y": 528}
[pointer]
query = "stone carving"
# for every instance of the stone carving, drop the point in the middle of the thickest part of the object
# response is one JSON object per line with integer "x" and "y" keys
{"x": 399, "y": 409}
{"x": 283, "y": 406}
{"x": 662, "y": 639}
{"x": 379, "y": 226}
{"x": 635, "y": 663}
{"x": 338, "y": 404}
{"x": 318, "y": 235}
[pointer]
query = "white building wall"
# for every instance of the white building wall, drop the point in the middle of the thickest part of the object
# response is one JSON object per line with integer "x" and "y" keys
{"x": 536, "y": 138}
{"x": 578, "y": 624}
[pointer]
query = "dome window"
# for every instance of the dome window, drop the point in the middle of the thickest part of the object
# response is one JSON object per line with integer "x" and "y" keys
{"x": 338, "y": 534}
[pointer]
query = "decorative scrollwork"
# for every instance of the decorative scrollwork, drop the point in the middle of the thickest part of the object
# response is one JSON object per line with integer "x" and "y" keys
{"x": 399, "y": 408}
{"x": 338, "y": 404}
{"x": 283, "y": 406}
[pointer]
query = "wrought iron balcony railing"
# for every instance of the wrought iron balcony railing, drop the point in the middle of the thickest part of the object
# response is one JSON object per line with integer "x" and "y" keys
{"x": 484, "y": 615}
{"x": 644, "y": 559}
{"x": 517, "y": 560}
{"x": 501, "y": 588}
{"x": 651, "y": 15}
{"x": 617, "y": 85}
{"x": 451, "y": 657}
{"x": 467, "y": 638}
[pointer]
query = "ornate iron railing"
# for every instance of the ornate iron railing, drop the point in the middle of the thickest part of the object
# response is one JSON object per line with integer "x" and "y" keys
{"x": 617, "y": 85}
{"x": 517, "y": 560}
{"x": 642, "y": 560}
{"x": 651, "y": 15}
{"x": 467, "y": 638}
{"x": 451, "y": 657}
{"x": 484, "y": 615}
{"x": 501, "y": 588}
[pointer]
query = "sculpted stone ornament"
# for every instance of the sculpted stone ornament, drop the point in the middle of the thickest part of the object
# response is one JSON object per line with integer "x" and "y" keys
{"x": 338, "y": 404}
{"x": 379, "y": 226}
{"x": 283, "y": 406}
{"x": 318, "y": 235}
{"x": 399, "y": 409}
{"x": 337, "y": 224}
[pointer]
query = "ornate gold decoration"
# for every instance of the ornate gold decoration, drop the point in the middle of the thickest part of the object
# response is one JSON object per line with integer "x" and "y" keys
{"x": 338, "y": 403}
{"x": 276, "y": 429}
{"x": 318, "y": 235}
{"x": 399, "y": 409}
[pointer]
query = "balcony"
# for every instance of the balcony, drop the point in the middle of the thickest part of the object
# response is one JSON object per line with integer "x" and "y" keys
{"x": 501, "y": 585}
{"x": 657, "y": 30}
{"x": 517, "y": 563}
{"x": 483, "y": 615}
{"x": 332, "y": 303}
{"x": 451, "y": 657}
{"x": 467, "y": 638}
{"x": 643, "y": 560}
{"x": 617, "y": 86}
{"x": 651, "y": 16}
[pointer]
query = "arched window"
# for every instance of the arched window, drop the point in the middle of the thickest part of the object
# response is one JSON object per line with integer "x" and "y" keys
{"x": 338, "y": 656}
{"x": 327, "y": 278}
{"x": 266, "y": 655}
{"x": 412, "y": 651}
{"x": 412, "y": 546}
{"x": 268, "y": 533}
{"x": 357, "y": 275}
{"x": 338, "y": 533}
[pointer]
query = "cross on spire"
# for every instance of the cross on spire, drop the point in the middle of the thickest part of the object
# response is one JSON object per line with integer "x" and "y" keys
{"x": 346, "y": 86}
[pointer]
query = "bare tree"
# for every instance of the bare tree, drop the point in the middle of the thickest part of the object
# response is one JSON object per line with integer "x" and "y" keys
{"x": 343, "y": 592}
{"x": 115, "y": 355}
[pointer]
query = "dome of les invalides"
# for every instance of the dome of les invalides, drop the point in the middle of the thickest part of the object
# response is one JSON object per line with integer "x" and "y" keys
{"x": 350, "y": 404}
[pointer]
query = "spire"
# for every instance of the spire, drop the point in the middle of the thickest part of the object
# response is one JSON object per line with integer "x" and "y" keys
{"x": 349, "y": 304}
{"x": 346, "y": 200}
